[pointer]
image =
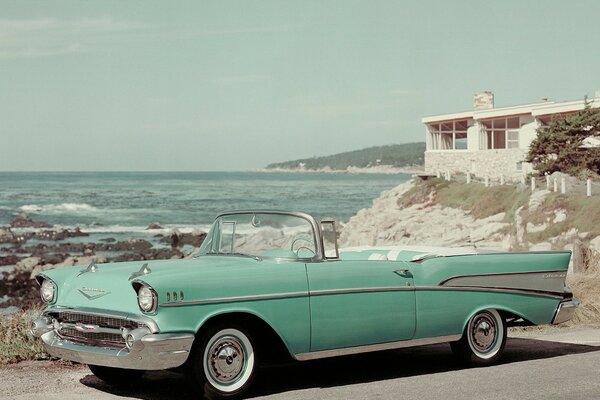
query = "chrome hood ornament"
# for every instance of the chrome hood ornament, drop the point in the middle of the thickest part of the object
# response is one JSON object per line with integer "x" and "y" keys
{"x": 143, "y": 271}
{"x": 90, "y": 268}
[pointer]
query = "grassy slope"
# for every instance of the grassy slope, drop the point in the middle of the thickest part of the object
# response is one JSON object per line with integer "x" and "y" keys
{"x": 397, "y": 155}
{"x": 582, "y": 213}
{"x": 480, "y": 201}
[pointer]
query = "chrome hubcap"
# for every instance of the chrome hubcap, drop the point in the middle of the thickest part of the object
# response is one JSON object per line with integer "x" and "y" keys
{"x": 226, "y": 359}
{"x": 483, "y": 333}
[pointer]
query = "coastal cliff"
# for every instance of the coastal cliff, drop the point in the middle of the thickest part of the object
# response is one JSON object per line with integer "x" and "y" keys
{"x": 507, "y": 217}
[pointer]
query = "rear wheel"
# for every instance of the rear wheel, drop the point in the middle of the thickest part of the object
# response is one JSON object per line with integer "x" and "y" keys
{"x": 484, "y": 339}
{"x": 224, "y": 363}
{"x": 116, "y": 376}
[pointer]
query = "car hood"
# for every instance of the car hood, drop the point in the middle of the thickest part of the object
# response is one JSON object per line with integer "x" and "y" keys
{"x": 109, "y": 286}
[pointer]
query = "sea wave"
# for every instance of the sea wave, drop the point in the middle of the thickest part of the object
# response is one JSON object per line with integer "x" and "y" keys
{"x": 166, "y": 229}
{"x": 63, "y": 208}
{"x": 121, "y": 229}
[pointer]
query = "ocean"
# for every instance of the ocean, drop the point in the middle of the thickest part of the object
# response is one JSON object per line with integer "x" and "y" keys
{"x": 123, "y": 204}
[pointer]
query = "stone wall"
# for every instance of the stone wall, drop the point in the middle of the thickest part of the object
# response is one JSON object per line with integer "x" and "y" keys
{"x": 481, "y": 163}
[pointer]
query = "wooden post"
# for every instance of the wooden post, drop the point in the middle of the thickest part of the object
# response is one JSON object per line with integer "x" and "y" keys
{"x": 555, "y": 186}
{"x": 577, "y": 257}
{"x": 563, "y": 186}
{"x": 438, "y": 174}
{"x": 547, "y": 182}
{"x": 532, "y": 183}
{"x": 589, "y": 188}
{"x": 447, "y": 175}
{"x": 487, "y": 181}
{"x": 468, "y": 177}
{"x": 502, "y": 179}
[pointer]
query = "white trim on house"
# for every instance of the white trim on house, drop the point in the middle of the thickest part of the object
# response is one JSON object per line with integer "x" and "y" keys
{"x": 493, "y": 146}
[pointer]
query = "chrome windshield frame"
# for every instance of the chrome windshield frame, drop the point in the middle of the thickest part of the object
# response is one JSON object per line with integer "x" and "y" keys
{"x": 319, "y": 256}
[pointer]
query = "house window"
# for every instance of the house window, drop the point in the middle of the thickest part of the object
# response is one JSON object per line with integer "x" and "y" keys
{"x": 449, "y": 135}
{"x": 501, "y": 133}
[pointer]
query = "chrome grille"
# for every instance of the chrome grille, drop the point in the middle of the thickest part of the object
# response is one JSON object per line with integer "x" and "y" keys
{"x": 92, "y": 338}
{"x": 104, "y": 339}
{"x": 100, "y": 320}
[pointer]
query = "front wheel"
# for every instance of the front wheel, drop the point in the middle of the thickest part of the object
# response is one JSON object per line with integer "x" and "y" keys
{"x": 484, "y": 339}
{"x": 224, "y": 363}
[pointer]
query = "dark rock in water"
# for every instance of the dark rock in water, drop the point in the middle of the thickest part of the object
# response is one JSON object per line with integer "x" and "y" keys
{"x": 20, "y": 289}
{"x": 60, "y": 234}
{"x": 8, "y": 236}
{"x": 53, "y": 258}
{"x": 155, "y": 225}
{"x": 25, "y": 221}
{"x": 135, "y": 245}
{"x": 128, "y": 257}
{"x": 165, "y": 254}
{"x": 108, "y": 240}
{"x": 194, "y": 239}
{"x": 9, "y": 260}
{"x": 158, "y": 235}
{"x": 41, "y": 249}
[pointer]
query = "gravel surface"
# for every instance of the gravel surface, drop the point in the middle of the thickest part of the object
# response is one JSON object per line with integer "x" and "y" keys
{"x": 549, "y": 364}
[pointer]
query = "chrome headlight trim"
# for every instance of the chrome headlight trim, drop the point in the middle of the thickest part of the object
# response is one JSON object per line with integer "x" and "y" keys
{"x": 48, "y": 290}
{"x": 147, "y": 298}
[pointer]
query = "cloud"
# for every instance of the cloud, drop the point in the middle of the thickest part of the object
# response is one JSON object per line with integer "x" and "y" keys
{"x": 47, "y": 36}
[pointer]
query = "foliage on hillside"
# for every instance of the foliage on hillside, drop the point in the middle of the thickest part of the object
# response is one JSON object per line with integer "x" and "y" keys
{"x": 16, "y": 342}
{"x": 480, "y": 201}
{"x": 557, "y": 146}
{"x": 397, "y": 155}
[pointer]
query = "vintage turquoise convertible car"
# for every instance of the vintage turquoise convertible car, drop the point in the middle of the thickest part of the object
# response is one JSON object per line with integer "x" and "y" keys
{"x": 266, "y": 283}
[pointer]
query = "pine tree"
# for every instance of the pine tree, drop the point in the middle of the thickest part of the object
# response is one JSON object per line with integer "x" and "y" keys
{"x": 557, "y": 146}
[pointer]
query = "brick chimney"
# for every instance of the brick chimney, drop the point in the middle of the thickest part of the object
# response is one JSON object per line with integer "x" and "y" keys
{"x": 483, "y": 101}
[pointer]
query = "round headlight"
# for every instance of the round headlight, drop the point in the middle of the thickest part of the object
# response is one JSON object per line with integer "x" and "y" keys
{"x": 146, "y": 299}
{"x": 47, "y": 291}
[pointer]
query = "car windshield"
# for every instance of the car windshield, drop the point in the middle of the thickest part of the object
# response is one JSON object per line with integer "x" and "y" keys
{"x": 261, "y": 235}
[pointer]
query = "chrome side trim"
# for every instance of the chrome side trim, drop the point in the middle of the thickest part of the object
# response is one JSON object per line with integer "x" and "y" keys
{"x": 326, "y": 292}
{"x": 375, "y": 347}
{"x": 529, "y": 292}
{"x": 234, "y": 299}
{"x": 551, "y": 281}
{"x": 149, "y": 322}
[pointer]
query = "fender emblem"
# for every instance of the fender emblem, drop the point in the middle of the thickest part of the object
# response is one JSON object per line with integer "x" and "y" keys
{"x": 92, "y": 294}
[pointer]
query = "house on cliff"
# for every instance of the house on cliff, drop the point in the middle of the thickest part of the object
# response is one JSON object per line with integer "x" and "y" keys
{"x": 489, "y": 141}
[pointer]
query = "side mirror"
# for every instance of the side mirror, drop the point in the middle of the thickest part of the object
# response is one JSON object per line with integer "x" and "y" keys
{"x": 329, "y": 237}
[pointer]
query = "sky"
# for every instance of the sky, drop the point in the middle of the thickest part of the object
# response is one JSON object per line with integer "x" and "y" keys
{"x": 236, "y": 85}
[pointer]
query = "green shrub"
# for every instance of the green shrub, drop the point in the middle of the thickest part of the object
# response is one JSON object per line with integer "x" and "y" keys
{"x": 16, "y": 342}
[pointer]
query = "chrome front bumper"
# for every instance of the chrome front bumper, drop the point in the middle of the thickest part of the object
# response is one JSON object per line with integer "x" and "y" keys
{"x": 154, "y": 351}
{"x": 565, "y": 311}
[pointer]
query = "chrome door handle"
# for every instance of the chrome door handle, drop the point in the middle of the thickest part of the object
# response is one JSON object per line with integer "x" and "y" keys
{"x": 405, "y": 273}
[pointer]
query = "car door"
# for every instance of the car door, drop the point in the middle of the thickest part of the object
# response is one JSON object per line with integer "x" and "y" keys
{"x": 354, "y": 303}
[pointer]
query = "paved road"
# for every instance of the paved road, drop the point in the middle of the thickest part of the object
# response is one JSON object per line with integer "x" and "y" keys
{"x": 559, "y": 364}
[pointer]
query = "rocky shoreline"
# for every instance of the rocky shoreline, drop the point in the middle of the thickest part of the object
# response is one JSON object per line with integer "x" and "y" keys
{"x": 28, "y": 247}
{"x": 377, "y": 169}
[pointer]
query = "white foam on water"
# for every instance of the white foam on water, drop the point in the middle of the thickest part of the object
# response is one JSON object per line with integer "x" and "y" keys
{"x": 63, "y": 208}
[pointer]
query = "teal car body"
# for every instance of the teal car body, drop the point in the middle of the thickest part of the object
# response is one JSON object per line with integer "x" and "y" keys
{"x": 281, "y": 274}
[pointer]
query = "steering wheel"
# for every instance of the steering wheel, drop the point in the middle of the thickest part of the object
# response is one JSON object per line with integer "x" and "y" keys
{"x": 302, "y": 239}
